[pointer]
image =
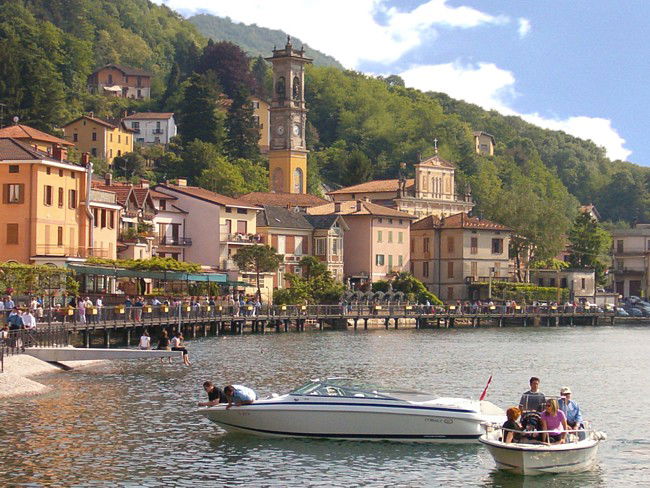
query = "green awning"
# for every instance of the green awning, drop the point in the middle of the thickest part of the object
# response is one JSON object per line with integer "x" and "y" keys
{"x": 156, "y": 275}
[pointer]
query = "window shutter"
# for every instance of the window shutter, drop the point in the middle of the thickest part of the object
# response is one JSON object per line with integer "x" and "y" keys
{"x": 12, "y": 233}
{"x": 5, "y": 193}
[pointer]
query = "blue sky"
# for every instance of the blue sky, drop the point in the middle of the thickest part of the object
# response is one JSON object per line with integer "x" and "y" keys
{"x": 579, "y": 66}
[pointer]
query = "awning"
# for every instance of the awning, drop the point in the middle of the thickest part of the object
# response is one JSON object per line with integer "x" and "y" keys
{"x": 157, "y": 275}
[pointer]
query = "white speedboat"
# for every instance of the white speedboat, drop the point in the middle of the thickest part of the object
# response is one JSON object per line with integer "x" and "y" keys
{"x": 338, "y": 408}
{"x": 533, "y": 458}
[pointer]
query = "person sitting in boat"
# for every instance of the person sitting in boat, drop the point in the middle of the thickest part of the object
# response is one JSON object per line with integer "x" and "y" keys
{"x": 239, "y": 395}
{"x": 215, "y": 395}
{"x": 511, "y": 427}
{"x": 554, "y": 423}
{"x": 570, "y": 408}
{"x": 533, "y": 399}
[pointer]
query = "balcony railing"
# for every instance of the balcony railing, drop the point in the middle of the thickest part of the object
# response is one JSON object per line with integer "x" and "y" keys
{"x": 158, "y": 131}
{"x": 174, "y": 241}
{"x": 229, "y": 265}
{"x": 72, "y": 252}
{"x": 242, "y": 238}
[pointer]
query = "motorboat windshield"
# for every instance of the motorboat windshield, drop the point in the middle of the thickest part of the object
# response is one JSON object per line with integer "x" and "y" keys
{"x": 349, "y": 388}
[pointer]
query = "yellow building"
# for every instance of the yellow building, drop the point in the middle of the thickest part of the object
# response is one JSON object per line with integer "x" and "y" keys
{"x": 288, "y": 117}
{"x": 484, "y": 143}
{"x": 33, "y": 137}
{"x": 100, "y": 138}
{"x": 262, "y": 117}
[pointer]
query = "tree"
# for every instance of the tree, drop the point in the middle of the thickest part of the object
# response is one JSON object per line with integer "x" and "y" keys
{"x": 221, "y": 176}
{"x": 412, "y": 288}
{"x": 200, "y": 116}
{"x": 589, "y": 244}
{"x": 258, "y": 259}
{"x": 130, "y": 164}
{"x": 198, "y": 156}
{"x": 359, "y": 168}
{"x": 243, "y": 132}
{"x": 262, "y": 78}
{"x": 316, "y": 285}
{"x": 230, "y": 64}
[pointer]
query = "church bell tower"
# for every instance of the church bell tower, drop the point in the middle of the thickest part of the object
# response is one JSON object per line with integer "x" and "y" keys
{"x": 287, "y": 147}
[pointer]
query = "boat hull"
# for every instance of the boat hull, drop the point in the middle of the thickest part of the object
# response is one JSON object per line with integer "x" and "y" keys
{"x": 530, "y": 459}
{"x": 349, "y": 420}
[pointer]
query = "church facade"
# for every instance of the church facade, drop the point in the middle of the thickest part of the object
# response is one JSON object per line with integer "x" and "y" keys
{"x": 431, "y": 192}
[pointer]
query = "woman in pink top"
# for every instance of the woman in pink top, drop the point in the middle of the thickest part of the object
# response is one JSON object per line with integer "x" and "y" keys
{"x": 554, "y": 420}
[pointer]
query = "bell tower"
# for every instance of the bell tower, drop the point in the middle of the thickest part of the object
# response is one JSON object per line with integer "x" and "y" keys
{"x": 287, "y": 147}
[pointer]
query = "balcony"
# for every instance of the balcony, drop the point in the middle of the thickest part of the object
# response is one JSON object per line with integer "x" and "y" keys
{"x": 174, "y": 241}
{"x": 158, "y": 131}
{"x": 72, "y": 252}
{"x": 229, "y": 265}
{"x": 238, "y": 238}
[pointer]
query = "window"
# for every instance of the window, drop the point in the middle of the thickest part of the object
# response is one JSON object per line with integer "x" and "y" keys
{"x": 583, "y": 283}
{"x": 390, "y": 261}
{"x": 14, "y": 168}
{"x": 390, "y": 221}
{"x": 540, "y": 281}
{"x": 425, "y": 269}
{"x": 163, "y": 204}
{"x": 497, "y": 246}
{"x": 298, "y": 246}
{"x": 450, "y": 269}
{"x": 551, "y": 282}
{"x": 110, "y": 137}
{"x": 390, "y": 236}
{"x": 474, "y": 245}
{"x": 59, "y": 236}
{"x": 135, "y": 125}
{"x": 48, "y": 171}
{"x": 450, "y": 293}
{"x": 400, "y": 237}
{"x": 426, "y": 245}
{"x": 103, "y": 218}
{"x": 400, "y": 260}
{"x": 119, "y": 138}
{"x": 48, "y": 195}
{"x": 72, "y": 198}
{"x": 282, "y": 247}
{"x": 12, "y": 233}
{"x": 94, "y": 136}
{"x": 450, "y": 244}
{"x": 111, "y": 217}
{"x": 60, "y": 201}
{"x": 563, "y": 283}
{"x": 619, "y": 245}
{"x": 379, "y": 236}
{"x": 321, "y": 246}
{"x": 93, "y": 152}
{"x": 61, "y": 173}
{"x": 241, "y": 211}
{"x": 379, "y": 259}
{"x": 412, "y": 245}
{"x": 474, "y": 270}
{"x": 228, "y": 210}
{"x": 336, "y": 246}
{"x": 13, "y": 193}
{"x": 75, "y": 137}
{"x": 242, "y": 227}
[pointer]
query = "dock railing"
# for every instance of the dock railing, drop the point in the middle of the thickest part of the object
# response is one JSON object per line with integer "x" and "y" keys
{"x": 17, "y": 340}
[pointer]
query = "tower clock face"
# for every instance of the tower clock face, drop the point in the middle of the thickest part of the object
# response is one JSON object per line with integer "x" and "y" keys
{"x": 296, "y": 130}
{"x": 280, "y": 130}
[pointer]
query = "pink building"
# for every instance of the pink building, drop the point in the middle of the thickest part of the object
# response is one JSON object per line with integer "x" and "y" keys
{"x": 377, "y": 244}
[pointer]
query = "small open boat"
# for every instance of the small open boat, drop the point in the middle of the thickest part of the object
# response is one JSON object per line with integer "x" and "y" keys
{"x": 338, "y": 408}
{"x": 532, "y": 457}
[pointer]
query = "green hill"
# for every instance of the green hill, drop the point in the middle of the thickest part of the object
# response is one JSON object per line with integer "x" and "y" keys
{"x": 255, "y": 40}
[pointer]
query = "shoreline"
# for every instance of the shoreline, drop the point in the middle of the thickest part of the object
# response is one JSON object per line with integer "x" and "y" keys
{"x": 16, "y": 380}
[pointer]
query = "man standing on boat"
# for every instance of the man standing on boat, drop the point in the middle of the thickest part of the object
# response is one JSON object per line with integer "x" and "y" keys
{"x": 570, "y": 408}
{"x": 533, "y": 399}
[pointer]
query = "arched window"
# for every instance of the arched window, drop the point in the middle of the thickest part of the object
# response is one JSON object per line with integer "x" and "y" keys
{"x": 276, "y": 182}
{"x": 296, "y": 88}
{"x": 297, "y": 181}
{"x": 280, "y": 87}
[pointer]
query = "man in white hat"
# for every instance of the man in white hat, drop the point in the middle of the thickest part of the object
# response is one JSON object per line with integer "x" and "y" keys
{"x": 570, "y": 408}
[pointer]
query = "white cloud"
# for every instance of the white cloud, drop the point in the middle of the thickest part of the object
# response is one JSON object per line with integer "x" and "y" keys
{"x": 348, "y": 29}
{"x": 493, "y": 88}
{"x": 524, "y": 27}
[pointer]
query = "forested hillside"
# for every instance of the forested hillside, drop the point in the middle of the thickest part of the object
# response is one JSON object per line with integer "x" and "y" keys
{"x": 255, "y": 40}
{"x": 359, "y": 127}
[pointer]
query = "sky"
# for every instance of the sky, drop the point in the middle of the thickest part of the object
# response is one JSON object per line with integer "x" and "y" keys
{"x": 573, "y": 65}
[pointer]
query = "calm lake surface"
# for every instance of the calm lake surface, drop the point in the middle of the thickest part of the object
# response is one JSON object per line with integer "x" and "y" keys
{"x": 131, "y": 423}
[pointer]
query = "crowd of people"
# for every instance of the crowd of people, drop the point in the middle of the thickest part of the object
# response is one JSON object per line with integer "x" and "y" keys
{"x": 553, "y": 418}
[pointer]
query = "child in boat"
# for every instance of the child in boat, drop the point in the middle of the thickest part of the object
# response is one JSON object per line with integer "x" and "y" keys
{"x": 511, "y": 425}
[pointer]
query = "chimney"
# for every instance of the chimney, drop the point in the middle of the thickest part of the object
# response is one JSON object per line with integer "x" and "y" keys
{"x": 181, "y": 181}
{"x": 337, "y": 207}
{"x": 108, "y": 179}
{"x": 60, "y": 153}
{"x": 359, "y": 206}
{"x": 91, "y": 114}
{"x": 144, "y": 183}
{"x": 85, "y": 158}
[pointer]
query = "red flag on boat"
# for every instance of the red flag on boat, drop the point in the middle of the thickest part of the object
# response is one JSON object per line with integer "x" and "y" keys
{"x": 483, "y": 395}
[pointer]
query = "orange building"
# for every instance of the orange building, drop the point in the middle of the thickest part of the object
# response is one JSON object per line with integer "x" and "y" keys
{"x": 33, "y": 137}
{"x": 44, "y": 215}
{"x": 100, "y": 138}
{"x": 121, "y": 81}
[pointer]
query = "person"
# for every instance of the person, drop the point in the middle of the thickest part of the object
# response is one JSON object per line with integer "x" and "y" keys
{"x": 145, "y": 341}
{"x": 81, "y": 310}
{"x": 570, "y": 408}
{"x": 138, "y": 305}
{"x": 15, "y": 321}
{"x": 163, "y": 343}
{"x": 215, "y": 395}
{"x": 9, "y": 303}
{"x": 239, "y": 395}
{"x": 177, "y": 345}
{"x": 532, "y": 399}
{"x": 554, "y": 420}
{"x": 4, "y": 334}
{"x": 511, "y": 425}
{"x": 29, "y": 322}
{"x": 99, "y": 304}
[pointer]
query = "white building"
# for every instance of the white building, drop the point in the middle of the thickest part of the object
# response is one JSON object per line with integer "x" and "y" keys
{"x": 151, "y": 127}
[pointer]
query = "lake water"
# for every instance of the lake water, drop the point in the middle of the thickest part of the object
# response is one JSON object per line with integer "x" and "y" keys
{"x": 132, "y": 423}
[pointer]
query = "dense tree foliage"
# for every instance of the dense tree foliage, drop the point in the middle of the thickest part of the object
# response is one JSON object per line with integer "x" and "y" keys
{"x": 315, "y": 285}
{"x": 590, "y": 245}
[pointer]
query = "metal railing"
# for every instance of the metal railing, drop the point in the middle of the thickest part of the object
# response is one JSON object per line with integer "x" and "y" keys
{"x": 174, "y": 241}
{"x": 16, "y": 341}
{"x": 72, "y": 251}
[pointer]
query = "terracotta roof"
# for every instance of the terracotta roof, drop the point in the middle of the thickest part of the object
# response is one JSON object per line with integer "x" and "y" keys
{"x": 430, "y": 222}
{"x": 480, "y": 132}
{"x": 122, "y": 191}
{"x": 437, "y": 161}
{"x": 349, "y": 207}
{"x": 20, "y": 131}
{"x": 208, "y": 196}
{"x": 373, "y": 186}
{"x": 141, "y": 195}
{"x": 150, "y": 115}
{"x": 161, "y": 196}
{"x": 111, "y": 124}
{"x": 13, "y": 150}
{"x": 283, "y": 199}
{"x": 464, "y": 221}
{"x": 127, "y": 70}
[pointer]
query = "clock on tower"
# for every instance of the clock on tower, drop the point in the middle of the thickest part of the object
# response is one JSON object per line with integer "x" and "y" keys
{"x": 288, "y": 149}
